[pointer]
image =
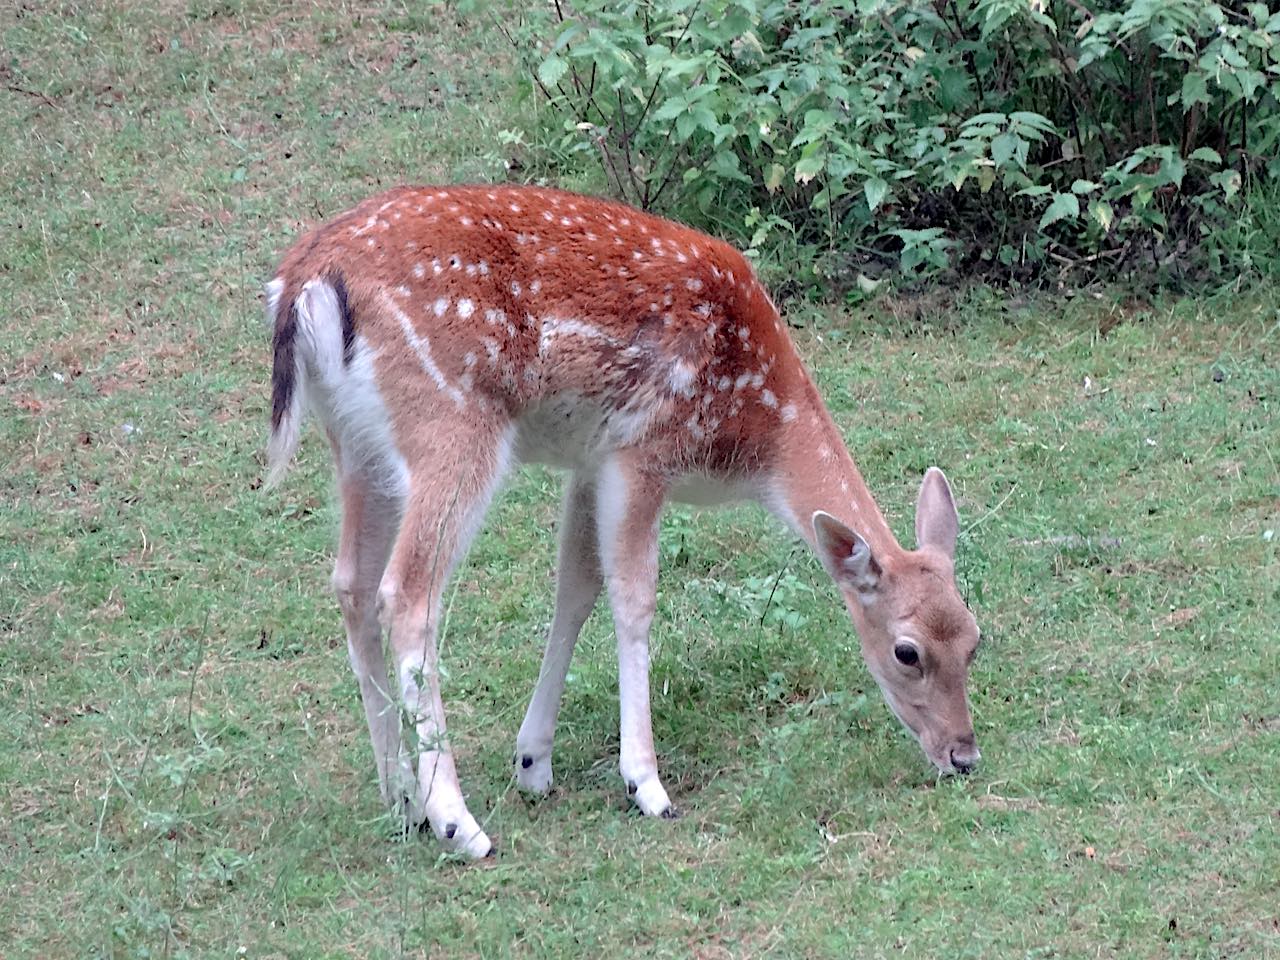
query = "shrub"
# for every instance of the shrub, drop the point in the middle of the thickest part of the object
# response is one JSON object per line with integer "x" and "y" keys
{"x": 1002, "y": 136}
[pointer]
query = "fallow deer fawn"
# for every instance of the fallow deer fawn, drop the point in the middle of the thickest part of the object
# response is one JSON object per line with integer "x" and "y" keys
{"x": 443, "y": 335}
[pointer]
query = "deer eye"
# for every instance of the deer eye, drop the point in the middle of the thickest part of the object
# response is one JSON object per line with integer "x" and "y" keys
{"x": 906, "y": 653}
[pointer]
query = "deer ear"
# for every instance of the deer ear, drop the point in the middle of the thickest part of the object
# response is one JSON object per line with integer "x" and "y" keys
{"x": 937, "y": 523}
{"x": 846, "y": 556}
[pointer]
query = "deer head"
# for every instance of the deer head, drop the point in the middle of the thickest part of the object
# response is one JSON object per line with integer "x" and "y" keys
{"x": 918, "y": 637}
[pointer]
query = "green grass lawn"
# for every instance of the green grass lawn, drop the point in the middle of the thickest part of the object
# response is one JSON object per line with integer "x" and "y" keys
{"x": 183, "y": 764}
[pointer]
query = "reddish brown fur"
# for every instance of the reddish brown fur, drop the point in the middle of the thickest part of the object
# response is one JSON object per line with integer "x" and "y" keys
{"x": 582, "y": 254}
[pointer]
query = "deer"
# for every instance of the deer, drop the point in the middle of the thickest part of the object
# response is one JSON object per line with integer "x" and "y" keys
{"x": 443, "y": 335}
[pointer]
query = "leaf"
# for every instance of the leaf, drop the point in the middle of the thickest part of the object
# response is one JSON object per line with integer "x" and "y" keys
{"x": 1195, "y": 89}
{"x": 1063, "y": 205}
{"x": 773, "y": 177}
{"x": 1102, "y": 214}
{"x": 1228, "y": 181}
{"x": 1004, "y": 148}
{"x": 1172, "y": 168}
{"x": 1205, "y": 155}
{"x": 551, "y": 71}
{"x": 808, "y": 168}
{"x": 875, "y": 189}
{"x": 1081, "y": 187}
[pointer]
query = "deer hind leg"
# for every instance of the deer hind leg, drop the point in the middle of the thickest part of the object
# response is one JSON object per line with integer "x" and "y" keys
{"x": 444, "y": 508}
{"x": 578, "y": 581}
{"x": 370, "y": 518}
{"x": 628, "y": 506}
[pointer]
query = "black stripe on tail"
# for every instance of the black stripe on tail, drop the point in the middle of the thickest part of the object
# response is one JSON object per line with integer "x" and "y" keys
{"x": 339, "y": 285}
{"x": 284, "y": 367}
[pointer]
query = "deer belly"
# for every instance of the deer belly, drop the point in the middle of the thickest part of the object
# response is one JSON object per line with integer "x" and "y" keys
{"x": 701, "y": 490}
{"x": 563, "y": 431}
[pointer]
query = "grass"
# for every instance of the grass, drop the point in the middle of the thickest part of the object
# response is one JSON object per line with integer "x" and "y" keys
{"x": 183, "y": 765}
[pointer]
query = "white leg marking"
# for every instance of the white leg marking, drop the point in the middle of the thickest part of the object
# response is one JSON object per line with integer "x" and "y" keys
{"x": 628, "y": 525}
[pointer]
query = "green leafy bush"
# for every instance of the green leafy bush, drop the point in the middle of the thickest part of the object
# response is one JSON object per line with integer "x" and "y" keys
{"x": 1002, "y": 136}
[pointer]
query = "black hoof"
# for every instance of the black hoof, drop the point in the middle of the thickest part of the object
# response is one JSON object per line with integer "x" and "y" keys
{"x": 671, "y": 813}
{"x": 526, "y": 762}
{"x": 493, "y": 853}
{"x": 449, "y": 830}
{"x": 631, "y": 789}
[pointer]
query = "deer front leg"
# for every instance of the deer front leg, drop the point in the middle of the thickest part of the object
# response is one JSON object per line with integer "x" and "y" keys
{"x": 628, "y": 505}
{"x": 578, "y": 583}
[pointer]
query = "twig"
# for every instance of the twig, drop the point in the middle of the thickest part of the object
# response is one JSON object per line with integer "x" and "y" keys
{"x": 33, "y": 93}
{"x": 772, "y": 590}
{"x": 186, "y": 783}
{"x": 990, "y": 513}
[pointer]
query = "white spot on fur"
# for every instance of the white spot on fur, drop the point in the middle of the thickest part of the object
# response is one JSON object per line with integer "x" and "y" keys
{"x": 515, "y": 288}
{"x": 768, "y": 399}
{"x": 788, "y": 412}
{"x": 419, "y": 271}
{"x": 465, "y": 308}
{"x": 440, "y": 306}
{"x": 681, "y": 378}
{"x": 552, "y": 327}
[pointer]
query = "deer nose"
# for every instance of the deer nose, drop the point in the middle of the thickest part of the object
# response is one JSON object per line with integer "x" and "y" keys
{"x": 965, "y": 757}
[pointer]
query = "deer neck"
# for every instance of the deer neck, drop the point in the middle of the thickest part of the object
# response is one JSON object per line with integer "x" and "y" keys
{"x": 816, "y": 472}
